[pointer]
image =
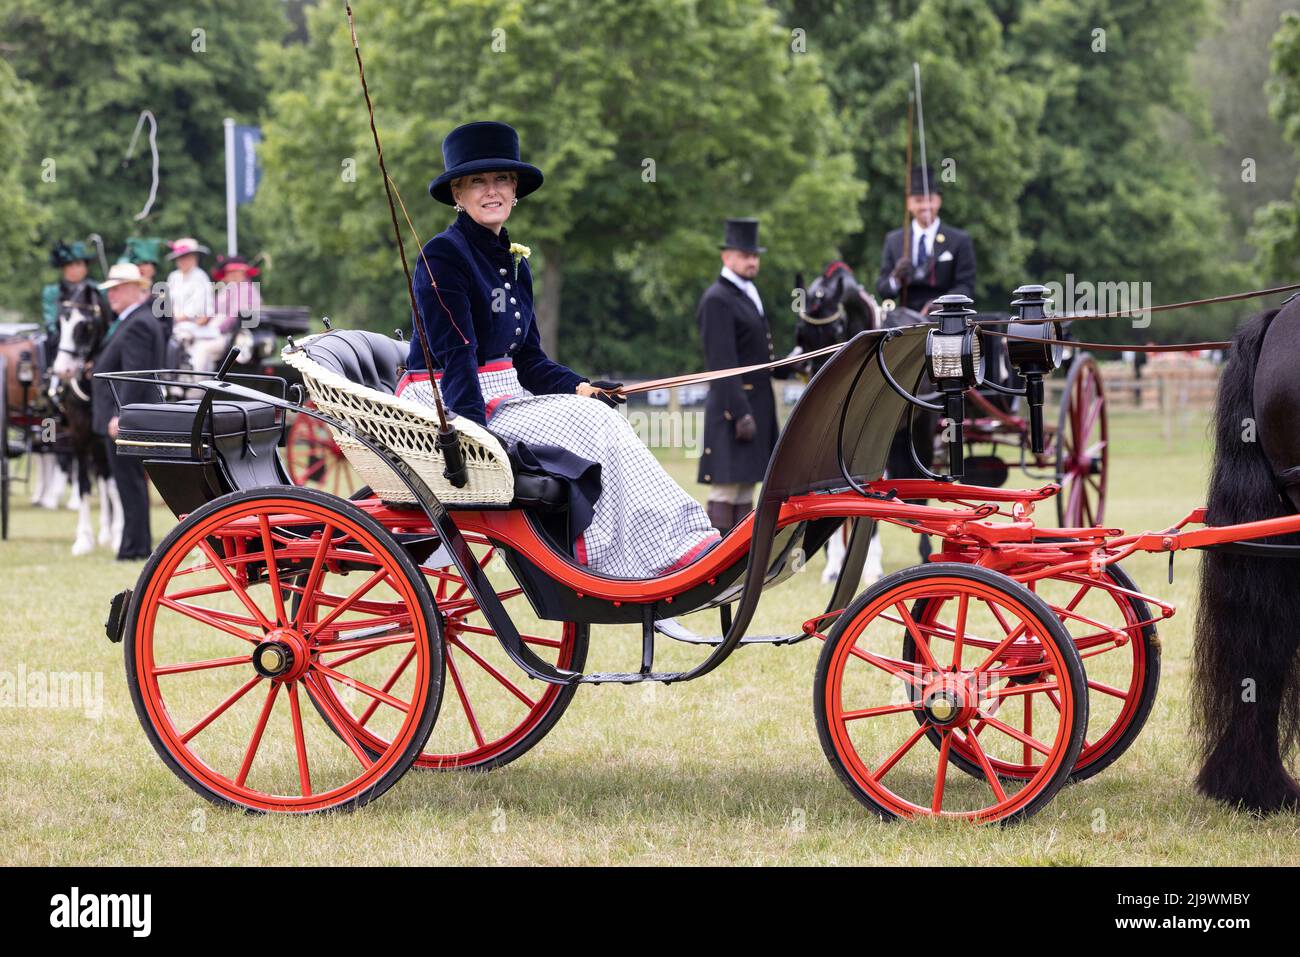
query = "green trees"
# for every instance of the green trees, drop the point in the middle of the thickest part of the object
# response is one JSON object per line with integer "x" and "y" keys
{"x": 1067, "y": 136}
{"x": 981, "y": 120}
{"x": 92, "y": 66}
{"x": 21, "y": 215}
{"x": 1113, "y": 199}
{"x": 650, "y": 129}
{"x": 1276, "y": 233}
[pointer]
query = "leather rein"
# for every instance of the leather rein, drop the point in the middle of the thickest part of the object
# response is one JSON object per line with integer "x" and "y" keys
{"x": 691, "y": 378}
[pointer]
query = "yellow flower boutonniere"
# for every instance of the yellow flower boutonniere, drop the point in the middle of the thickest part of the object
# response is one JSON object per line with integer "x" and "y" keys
{"x": 519, "y": 251}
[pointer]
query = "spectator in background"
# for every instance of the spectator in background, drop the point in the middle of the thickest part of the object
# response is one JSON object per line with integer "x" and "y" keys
{"x": 137, "y": 343}
{"x": 238, "y": 299}
{"x": 189, "y": 296}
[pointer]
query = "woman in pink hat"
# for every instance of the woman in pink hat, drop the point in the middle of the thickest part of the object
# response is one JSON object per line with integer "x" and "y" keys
{"x": 238, "y": 299}
{"x": 190, "y": 300}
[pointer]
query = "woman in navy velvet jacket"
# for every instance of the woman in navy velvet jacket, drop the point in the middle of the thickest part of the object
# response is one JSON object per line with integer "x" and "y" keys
{"x": 475, "y": 296}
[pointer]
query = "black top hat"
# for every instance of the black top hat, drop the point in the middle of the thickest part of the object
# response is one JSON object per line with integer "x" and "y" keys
{"x": 922, "y": 177}
{"x": 742, "y": 234}
{"x": 482, "y": 147}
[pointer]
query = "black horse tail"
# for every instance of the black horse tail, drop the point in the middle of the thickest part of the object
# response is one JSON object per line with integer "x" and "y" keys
{"x": 1245, "y": 687}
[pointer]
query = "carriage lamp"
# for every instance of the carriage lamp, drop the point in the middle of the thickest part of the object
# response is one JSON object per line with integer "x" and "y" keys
{"x": 26, "y": 371}
{"x": 1031, "y": 355}
{"x": 956, "y": 363}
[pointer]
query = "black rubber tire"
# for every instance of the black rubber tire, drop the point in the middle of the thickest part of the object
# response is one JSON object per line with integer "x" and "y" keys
{"x": 1051, "y": 627}
{"x": 434, "y": 635}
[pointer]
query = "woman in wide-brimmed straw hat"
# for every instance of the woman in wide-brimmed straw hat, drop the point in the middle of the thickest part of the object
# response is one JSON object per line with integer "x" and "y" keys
{"x": 475, "y": 295}
{"x": 190, "y": 301}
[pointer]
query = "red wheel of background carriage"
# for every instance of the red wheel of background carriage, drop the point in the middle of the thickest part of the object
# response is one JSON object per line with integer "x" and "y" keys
{"x": 315, "y": 460}
{"x": 1082, "y": 449}
{"x": 1115, "y": 635}
{"x": 219, "y": 662}
{"x": 872, "y": 707}
{"x": 493, "y": 712}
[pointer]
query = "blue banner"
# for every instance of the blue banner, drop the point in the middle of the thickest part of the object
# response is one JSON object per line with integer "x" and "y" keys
{"x": 248, "y": 171}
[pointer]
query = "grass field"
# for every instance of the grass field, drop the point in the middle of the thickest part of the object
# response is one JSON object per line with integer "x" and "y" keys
{"x": 723, "y": 770}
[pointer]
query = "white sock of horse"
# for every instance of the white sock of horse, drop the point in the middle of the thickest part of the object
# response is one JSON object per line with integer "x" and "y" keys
{"x": 42, "y": 462}
{"x": 54, "y": 486}
{"x": 85, "y": 541}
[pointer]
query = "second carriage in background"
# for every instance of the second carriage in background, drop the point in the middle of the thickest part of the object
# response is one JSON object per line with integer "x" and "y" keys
{"x": 836, "y": 306}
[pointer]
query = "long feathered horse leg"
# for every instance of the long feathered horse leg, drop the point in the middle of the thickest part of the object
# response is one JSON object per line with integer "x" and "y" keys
{"x": 1246, "y": 670}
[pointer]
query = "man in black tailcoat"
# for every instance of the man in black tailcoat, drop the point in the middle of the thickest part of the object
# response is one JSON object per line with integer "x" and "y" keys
{"x": 137, "y": 343}
{"x": 740, "y": 423}
{"x": 939, "y": 259}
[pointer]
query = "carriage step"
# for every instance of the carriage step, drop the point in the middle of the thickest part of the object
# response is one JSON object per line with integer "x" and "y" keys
{"x": 627, "y": 678}
{"x": 675, "y": 630}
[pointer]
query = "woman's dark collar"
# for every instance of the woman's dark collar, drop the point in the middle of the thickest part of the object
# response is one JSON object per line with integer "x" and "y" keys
{"x": 481, "y": 235}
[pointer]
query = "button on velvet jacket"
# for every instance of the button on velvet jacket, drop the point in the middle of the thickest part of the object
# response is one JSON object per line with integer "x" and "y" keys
{"x": 482, "y": 309}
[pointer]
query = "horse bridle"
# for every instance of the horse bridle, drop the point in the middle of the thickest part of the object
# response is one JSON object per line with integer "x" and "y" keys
{"x": 840, "y": 313}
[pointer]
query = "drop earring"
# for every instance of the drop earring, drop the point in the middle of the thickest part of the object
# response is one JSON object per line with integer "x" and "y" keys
{"x": 459, "y": 208}
{"x": 515, "y": 201}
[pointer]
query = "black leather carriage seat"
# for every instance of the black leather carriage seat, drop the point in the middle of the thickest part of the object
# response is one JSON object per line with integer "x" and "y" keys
{"x": 376, "y": 362}
{"x": 366, "y": 358}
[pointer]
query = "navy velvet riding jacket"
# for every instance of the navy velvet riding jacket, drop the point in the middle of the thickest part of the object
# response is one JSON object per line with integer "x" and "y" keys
{"x": 482, "y": 309}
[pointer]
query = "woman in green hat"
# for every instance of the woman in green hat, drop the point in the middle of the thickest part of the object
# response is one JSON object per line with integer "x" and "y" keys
{"x": 145, "y": 252}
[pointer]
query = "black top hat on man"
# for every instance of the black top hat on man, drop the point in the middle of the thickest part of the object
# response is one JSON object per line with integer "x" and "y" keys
{"x": 483, "y": 147}
{"x": 923, "y": 181}
{"x": 742, "y": 234}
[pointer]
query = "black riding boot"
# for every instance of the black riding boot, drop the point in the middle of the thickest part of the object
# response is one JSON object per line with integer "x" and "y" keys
{"x": 722, "y": 515}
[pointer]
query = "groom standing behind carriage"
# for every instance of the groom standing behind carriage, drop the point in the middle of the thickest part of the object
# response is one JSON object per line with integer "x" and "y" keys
{"x": 940, "y": 258}
{"x": 740, "y": 425}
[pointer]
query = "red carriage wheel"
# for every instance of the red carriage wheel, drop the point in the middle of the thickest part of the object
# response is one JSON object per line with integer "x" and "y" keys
{"x": 315, "y": 460}
{"x": 1006, "y": 644}
{"x": 1115, "y": 635}
{"x": 222, "y": 667}
{"x": 493, "y": 713}
{"x": 1082, "y": 447}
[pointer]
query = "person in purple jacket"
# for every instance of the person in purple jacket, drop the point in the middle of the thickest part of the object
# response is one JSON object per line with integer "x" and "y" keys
{"x": 474, "y": 291}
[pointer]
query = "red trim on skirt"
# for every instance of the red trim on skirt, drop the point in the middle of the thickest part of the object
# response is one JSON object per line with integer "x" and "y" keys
{"x": 693, "y": 553}
{"x": 496, "y": 365}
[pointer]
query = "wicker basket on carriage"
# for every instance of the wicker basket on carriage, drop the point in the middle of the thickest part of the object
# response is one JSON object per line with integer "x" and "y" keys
{"x": 408, "y": 428}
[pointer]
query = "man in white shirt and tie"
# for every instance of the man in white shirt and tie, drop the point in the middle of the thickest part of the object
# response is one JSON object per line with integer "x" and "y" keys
{"x": 740, "y": 423}
{"x": 939, "y": 258}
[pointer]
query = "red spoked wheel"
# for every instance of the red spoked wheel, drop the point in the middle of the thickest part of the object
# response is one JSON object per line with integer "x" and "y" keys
{"x": 222, "y": 661}
{"x": 1082, "y": 447}
{"x": 493, "y": 712}
{"x": 872, "y": 707}
{"x": 314, "y": 459}
{"x": 1113, "y": 630}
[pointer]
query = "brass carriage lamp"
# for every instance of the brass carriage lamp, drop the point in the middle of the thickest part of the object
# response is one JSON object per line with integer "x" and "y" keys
{"x": 1031, "y": 353}
{"x": 956, "y": 363}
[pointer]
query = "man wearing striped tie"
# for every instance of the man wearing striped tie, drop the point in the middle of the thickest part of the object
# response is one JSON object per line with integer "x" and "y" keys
{"x": 939, "y": 258}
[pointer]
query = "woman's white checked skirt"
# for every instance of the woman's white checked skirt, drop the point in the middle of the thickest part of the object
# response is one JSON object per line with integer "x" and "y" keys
{"x": 644, "y": 522}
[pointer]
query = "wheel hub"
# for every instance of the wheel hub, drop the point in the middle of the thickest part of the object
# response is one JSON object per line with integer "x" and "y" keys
{"x": 949, "y": 701}
{"x": 282, "y": 656}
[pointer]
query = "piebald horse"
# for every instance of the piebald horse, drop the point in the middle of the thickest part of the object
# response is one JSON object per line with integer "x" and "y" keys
{"x": 81, "y": 337}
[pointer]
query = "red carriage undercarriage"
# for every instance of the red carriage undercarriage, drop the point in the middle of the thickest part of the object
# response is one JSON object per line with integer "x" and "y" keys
{"x": 289, "y": 650}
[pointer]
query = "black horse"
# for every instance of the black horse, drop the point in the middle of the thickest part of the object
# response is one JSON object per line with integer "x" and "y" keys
{"x": 836, "y": 307}
{"x": 1246, "y": 680}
